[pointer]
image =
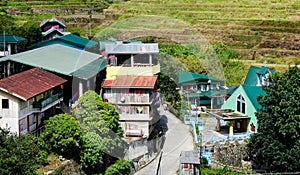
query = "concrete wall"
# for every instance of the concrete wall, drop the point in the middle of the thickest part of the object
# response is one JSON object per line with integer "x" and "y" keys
{"x": 9, "y": 117}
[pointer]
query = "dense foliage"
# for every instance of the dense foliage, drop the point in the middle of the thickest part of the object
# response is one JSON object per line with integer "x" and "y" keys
{"x": 91, "y": 137}
{"x": 120, "y": 167}
{"x": 63, "y": 135}
{"x": 276, "y": 146}
{"x": 20, "y": 154}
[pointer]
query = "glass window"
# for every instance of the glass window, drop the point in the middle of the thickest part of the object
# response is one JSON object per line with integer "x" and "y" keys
{"x": 241, "y": 104}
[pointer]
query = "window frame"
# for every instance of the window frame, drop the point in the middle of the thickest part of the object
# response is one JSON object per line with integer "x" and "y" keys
{"x": 5, "y": 103}
{"x": 241, "y": 104}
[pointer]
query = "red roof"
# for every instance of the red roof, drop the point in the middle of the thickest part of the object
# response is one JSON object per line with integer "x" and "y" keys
{"x": 131, "y": 82}
{"x": 30, "y": 83}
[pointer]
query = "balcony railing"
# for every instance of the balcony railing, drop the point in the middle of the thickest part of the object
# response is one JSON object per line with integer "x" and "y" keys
{"x": 45, "y": 102}
{"x": 117, "y": 98}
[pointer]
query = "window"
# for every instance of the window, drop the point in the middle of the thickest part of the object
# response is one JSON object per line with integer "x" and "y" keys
{"x": 241, "y": 104}
{"x": 5, "y": 104}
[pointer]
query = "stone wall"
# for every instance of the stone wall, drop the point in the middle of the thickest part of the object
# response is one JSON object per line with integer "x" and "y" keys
{"x": 232, "y": 154}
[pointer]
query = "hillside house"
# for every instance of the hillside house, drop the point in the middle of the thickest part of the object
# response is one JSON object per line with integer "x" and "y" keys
{"x": 137, "y": 101}
{"x": 83, "y": 70}
{"x": 239, "y": 109}
{"x": 202, "y": 90}
{"x": 53, "y": 28}
{"x": 29, "y": 97}
{"x": 9, "y": 44}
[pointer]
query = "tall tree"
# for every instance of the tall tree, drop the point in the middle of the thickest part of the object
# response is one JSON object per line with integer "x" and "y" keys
{"x": 276, "y": 146}
{"x": 100, "y": 123}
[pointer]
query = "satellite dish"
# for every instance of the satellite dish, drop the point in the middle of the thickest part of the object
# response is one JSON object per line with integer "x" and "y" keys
{"x": 122, "y": 99}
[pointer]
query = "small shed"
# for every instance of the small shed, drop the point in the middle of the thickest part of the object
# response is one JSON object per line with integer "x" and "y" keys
{"x": 189, "y": 163}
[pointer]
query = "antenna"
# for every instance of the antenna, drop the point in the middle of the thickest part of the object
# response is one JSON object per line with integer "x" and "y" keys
{"x": 3, "y": 41}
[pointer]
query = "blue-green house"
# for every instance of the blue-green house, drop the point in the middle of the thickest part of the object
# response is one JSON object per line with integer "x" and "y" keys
{"x": 203, "y": 90}
{"x": 243, "y": 100}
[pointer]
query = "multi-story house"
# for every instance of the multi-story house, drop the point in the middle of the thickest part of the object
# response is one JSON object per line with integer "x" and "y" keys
{"x": 202, "y": 90}
{"x": 27, "y": 98}
{"x": 53, "y": 28}
{"x": 137, "y": 101}
{"x": 131, "y": 84}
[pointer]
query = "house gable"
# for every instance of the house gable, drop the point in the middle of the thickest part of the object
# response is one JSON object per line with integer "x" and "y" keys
{"x": 231, "y": 102}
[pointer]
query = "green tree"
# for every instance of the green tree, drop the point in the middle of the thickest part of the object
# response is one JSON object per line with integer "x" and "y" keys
{"x": 20, "y": 154}
{"x": 100, "y": 123}
{"x": 120, "y": 167}
{"x": 91, "y": 157}
{"x": 63, "y": 135}
{"x": 276, "y": 146}
{"x": 168, "y": 89}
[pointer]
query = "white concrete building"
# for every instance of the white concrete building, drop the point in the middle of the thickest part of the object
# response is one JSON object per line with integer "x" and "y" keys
{"x": 27, "y": 98}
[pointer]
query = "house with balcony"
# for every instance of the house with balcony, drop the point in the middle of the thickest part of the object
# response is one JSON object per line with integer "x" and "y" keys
{"x": 29, "y": 97}
{"x": 83, "y": 70}
{"x": 202, "y": 90}
{"x": 137, "y": 101}
{"x": 53, "y": 28}
{"x": 131, "y": 58}
{"x": 239, "y": 109}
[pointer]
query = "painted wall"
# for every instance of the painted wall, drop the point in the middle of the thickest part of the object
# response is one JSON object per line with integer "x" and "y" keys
{"x": 9, "y": 117}
{"x": 250, "y": 110}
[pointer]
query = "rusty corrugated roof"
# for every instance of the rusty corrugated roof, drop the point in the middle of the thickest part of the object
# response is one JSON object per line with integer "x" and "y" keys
{"x": 131, "y": 82}
{"x": 28, "y": 84}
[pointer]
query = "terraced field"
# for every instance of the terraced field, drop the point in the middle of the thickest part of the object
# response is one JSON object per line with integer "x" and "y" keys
{"x": 259, "y": 29}
{"x": 253, "y": 28}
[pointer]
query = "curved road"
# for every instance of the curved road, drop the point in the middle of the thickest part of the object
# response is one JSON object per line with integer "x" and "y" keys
{"x": 178, "y": 138}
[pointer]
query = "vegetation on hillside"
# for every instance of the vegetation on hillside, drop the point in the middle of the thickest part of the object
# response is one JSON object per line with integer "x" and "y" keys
{"x": 90, "y": 136}
{"x": 276, "y": 146}
{"x": 20, "y": 154}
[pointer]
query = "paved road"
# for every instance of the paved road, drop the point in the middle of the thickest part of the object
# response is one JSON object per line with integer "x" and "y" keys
{"x": 178, "y": 138}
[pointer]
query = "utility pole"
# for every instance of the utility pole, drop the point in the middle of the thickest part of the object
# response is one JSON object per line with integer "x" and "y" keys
{"x": 158, "y": 166}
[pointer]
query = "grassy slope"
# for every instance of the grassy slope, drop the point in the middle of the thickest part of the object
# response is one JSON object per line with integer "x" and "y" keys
{"x": 259, "y": 30}
{"x": 271, "y": 28}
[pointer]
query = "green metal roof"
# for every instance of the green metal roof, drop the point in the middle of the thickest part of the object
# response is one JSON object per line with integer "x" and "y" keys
{"x": 11, "y": 39}
{"x": 251, "y": 78}
{"x": 60, "y": 59}
{"x": 253, "y": 92}
{"x": 214, "y": 92}
{"x": 69, "y": 39}
{"x": 91, "y": 69}
{"x": 78, "y": 40}
{"x": 185, "y": 77}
